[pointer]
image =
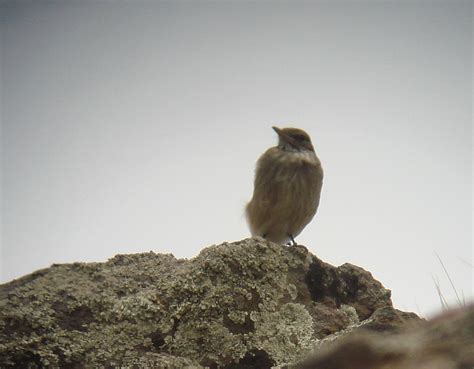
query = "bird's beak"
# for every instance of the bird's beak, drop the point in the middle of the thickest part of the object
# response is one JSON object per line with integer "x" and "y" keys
{"x": 282, "y": 135}
{"x": 277, "y": 130}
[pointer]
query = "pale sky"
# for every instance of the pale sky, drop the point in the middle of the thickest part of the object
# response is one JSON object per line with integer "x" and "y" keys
{"x": 135, "y": 126}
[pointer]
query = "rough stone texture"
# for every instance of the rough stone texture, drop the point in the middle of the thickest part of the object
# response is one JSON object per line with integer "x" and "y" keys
{"x": 446, "y": 342}
{"x": 247, "y": 304}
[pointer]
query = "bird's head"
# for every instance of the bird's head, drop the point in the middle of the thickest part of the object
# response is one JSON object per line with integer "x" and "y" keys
{"x": 293, "y": 139}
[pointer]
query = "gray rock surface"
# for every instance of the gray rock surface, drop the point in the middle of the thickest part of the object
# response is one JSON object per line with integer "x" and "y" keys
{"x": 446, "y": 342}
{"x": 247, "y": 304}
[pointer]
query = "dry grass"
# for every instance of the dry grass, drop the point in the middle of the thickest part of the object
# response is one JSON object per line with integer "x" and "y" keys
{"x": 459, "y": 297}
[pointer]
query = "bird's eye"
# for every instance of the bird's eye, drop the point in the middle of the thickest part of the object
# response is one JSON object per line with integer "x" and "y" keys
{"x": 300, "y": 138}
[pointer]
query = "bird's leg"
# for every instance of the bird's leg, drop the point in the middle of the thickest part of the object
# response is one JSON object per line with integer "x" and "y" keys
{"x": 293, "y": 242}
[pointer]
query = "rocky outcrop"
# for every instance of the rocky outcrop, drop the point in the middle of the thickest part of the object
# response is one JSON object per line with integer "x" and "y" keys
{"x": 446, "y": 342}
{"x": 247, "y": 304}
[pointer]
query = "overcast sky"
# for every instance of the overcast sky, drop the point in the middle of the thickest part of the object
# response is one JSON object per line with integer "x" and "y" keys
{"x": 135, "y": 126}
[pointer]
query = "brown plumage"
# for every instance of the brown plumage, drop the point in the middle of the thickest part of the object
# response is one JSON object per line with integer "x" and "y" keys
{"x": 287, "y": 187}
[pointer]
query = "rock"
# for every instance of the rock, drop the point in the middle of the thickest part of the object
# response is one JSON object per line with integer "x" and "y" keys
{"x": 389, "y": 320}
{"x": 446, "y": 342}
{"x": 247, "y": 304}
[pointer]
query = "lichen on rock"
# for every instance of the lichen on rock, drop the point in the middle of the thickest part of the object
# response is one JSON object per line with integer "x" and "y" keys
{"x": 247, "y": 304}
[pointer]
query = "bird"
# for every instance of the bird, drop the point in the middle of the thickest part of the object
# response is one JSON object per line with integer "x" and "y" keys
{"x": 287, "y": 188}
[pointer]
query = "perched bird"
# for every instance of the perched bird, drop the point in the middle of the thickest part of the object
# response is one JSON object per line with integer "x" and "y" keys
{"x": 287, "y": 187}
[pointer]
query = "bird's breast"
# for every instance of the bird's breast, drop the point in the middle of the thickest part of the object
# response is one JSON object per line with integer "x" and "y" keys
{"x": 298, "y": 166}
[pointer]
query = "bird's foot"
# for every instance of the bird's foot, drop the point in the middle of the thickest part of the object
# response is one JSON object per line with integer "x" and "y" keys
{"x": 293, "y": 242}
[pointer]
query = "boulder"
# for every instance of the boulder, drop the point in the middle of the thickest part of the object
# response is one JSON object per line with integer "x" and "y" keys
{"x": 445, "y": 342}
{"x": 246, "y": 304}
